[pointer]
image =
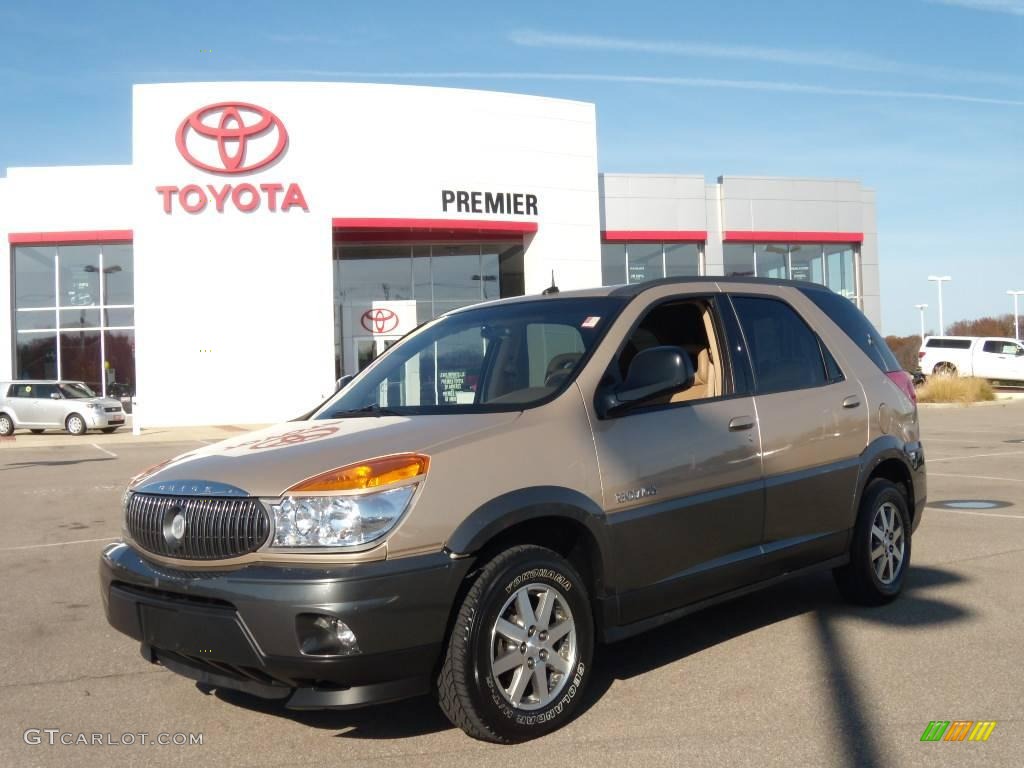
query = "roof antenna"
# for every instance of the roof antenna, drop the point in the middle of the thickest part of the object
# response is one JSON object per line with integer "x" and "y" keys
{"x": 551, "y": 288}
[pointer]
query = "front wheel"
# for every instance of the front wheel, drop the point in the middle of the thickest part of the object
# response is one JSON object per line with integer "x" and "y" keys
{"x": 880, "y": 552}
{"x": 75, "y": 425}
{"x": 520, "y": 649}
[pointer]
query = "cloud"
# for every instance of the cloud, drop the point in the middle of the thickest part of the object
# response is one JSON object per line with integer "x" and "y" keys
{"x": 1012, "y": 7}
{"x": 827, "y": 59}
{"x": 771, "y": 86}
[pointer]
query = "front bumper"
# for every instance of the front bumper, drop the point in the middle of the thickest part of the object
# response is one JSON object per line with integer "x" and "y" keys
{"x": 237, "y": 629}
{"x": 102, "y": 419}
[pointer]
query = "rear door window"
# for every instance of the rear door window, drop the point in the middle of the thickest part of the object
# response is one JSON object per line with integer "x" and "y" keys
{"x": 784, "y": 351}
{"x": 851, "y": 320}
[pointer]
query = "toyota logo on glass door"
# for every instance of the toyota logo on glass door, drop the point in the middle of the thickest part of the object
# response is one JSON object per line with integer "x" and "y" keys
{"x": 231, "y": 137}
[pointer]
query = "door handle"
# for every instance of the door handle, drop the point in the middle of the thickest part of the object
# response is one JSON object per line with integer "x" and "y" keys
{"x": 851, "y": 402}
{"x": 740, "y": 423}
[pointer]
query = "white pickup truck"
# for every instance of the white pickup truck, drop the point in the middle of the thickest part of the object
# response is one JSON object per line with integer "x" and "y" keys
{"x": 985, "y": 357}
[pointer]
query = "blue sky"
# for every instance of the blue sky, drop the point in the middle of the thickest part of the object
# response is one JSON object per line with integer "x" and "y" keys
{"x": 922, "y": 100}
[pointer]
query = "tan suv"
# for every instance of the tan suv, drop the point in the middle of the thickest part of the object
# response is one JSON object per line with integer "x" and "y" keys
{"x": 517, "y": 481}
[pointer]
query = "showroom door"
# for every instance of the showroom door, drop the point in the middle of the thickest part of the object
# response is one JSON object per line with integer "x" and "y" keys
{"x": 366, "y": 348}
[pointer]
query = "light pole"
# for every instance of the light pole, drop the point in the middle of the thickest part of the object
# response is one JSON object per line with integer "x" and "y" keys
{"x": 1016, "y": 317}
{"x": 940, "y": 281}
{"x": 921, "y": 308}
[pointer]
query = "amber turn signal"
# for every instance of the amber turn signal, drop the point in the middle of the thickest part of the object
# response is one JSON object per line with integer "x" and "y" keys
{"x": 366, "y": 474}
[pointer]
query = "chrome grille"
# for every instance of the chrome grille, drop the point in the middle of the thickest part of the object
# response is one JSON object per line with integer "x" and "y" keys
{"x": 215, "y": 528}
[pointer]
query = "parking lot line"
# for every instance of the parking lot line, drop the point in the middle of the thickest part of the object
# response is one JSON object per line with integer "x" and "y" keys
{"x": 970, "y": 512}
{"x": 58, "y": 544}
{"x": 976, "y": 456}
{"x": 978, "y": 477}
{"x": 104, "y": 450}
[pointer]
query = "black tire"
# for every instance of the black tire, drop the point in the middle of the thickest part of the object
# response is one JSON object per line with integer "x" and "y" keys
{"x": 108, "y": 430}
{"x": 36, "y": 431}
{"x": 858, "y": 581}
{"x": 6, "y": 425}
{"x": 467, "y": 690}
{"x": 945, "y": 369}
{"x": 76, "y": 425}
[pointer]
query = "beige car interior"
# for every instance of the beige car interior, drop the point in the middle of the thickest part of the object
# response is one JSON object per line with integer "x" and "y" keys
{"x": 689, "y": 325}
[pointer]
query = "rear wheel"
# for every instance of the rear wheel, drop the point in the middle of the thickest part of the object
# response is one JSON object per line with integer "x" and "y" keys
{"x": 944, "y": 369}
{"x": 880, "y": 552}
{"x": 75, "y": 425}
{"x": 6, "y": 425}
{"x": 520, "y": 649}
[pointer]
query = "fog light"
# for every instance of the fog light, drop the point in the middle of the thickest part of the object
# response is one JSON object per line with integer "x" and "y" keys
{"x": 321, "y": 635}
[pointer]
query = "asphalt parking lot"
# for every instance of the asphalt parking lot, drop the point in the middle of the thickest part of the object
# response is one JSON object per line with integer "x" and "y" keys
{"x": 791, "y": 676}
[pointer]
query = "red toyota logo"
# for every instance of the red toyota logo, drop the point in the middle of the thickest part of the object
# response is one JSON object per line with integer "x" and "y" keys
{"x": 231, "y": 126}
{"x": 379, "y": 320}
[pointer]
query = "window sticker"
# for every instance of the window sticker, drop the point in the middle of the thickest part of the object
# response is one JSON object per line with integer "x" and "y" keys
{"x": 590, "y": 322}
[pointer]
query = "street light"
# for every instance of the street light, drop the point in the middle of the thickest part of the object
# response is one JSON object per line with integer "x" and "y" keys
{"x": 921, "y": 308}
{"x": 1016, "y": 317}
{"x": 940, "y": 281}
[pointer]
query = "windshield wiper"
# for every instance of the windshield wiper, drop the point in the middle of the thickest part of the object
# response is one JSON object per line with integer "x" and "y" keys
{"x": 367, "y": 410}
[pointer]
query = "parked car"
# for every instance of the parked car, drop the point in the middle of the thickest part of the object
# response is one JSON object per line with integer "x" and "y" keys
{"x": 517, "y": 481}
{"x": 996, "y": 359}
{"x": 68, "y": 405}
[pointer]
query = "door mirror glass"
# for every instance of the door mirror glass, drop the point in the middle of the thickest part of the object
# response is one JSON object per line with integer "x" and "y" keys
{"x": 55, "y": 396}
{"x": 655, "y": 371}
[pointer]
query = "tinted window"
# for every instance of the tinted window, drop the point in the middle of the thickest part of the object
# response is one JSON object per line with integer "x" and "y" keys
{"x": 1001, "y": 347}
{"x": 835, "y": 373}
{"x": 784, "y": 351}
{"x": 949, "y": 343}
{"x": 43, "y": 391}
{"x": 853, "y": 323}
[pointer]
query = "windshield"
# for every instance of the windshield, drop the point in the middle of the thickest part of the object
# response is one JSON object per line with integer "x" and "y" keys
{"x": 75, "y": 390}
{"x": 499, "y": 357}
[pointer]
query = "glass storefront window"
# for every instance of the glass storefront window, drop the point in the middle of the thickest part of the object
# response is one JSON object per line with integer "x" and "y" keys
{"x": 35, "y": 272}
{"x": 66, "y": 291}
{"x": 771, "y": 260}
{"x": 613, "y": 264}
{"x": 36, "y": 356}
{"x": 841, "y": 267}
{"x": 806, "y": 263}
{"x": 79, "y": 278}
{"x": 439, "y": 277}
{"x": 682, "y": 260}
{"x": 738, "y": 260}
{"x": 644, "y": 262}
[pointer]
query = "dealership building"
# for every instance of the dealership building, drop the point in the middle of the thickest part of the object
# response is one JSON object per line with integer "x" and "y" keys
{"x": 269, "y": 237}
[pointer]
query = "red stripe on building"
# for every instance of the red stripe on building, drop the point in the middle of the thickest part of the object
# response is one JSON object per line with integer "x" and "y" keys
{"x": 743, "y": 236}
{"x": 68, "y": 238}
{"x": 654, "y": 236}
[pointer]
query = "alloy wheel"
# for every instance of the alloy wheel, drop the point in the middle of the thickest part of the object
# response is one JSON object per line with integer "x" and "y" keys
{"x": 533, "y": 646}
{"x": 887, "y": 543}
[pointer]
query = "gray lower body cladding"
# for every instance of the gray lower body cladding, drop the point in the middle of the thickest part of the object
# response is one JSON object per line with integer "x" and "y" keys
{"x": 237, "y": 629}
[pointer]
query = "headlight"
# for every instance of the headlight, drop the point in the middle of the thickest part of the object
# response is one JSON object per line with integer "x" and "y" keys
{"x": 338, "y": 521}
{"x": 96, "y": 406}
{"x": 349, "y": 506}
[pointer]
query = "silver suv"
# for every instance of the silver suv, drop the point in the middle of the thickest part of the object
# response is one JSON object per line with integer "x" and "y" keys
{"x": 69, "y": 405}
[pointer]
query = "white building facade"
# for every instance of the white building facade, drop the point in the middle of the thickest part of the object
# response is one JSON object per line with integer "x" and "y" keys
{"x": 270, "y": 237}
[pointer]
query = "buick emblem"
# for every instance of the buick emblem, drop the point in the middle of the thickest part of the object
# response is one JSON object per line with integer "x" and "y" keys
{"x": 231, "y": 137}
{"x": 174, "y": 526}
{"x": 379, "y": 320}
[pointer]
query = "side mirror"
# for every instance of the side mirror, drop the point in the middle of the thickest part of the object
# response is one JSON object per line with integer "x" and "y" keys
{"x": 343, "y": 382}
{"x": 55, "y": 396}
{"x": 655, "y": 371}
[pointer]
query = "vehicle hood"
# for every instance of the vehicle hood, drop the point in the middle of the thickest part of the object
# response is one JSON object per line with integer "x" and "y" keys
{"x": 106, "y": 402}
{"x": 269, "y": 461}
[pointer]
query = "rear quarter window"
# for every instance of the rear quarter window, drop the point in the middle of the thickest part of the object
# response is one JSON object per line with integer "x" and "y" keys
{"x": 852, "y": 322}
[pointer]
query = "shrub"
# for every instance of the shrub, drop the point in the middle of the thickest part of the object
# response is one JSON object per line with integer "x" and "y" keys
{"x": 955, "y": 389}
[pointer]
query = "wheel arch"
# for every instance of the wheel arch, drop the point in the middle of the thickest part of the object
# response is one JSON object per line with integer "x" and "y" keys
{"x": 885, "y": 459}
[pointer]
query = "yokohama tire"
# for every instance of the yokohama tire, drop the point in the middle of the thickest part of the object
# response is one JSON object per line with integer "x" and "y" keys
{"x": 470, "y": 690}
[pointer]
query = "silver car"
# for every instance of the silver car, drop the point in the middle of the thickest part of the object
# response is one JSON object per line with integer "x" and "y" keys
{"x": 70, "y": 405}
